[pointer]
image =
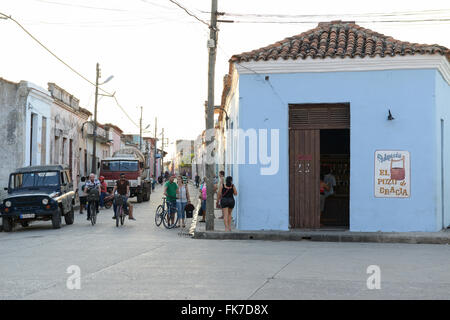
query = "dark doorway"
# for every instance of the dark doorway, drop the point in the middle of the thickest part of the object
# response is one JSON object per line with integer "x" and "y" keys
{"x": 319, "y": 139}
{"x": 335, "y": 167}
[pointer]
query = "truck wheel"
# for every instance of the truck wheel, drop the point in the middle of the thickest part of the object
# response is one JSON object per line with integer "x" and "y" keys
{"x": 69, "y": 216}
{"x": 25, "y": 224}
{"x": 146, "y": 195}
{"x": 139, "y": 197}
{"x": 8, "y": 224}
{"x": 56, "y": 219}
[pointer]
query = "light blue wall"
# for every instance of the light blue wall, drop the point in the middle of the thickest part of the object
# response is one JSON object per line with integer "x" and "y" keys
{"x": 409, "y": 94}
{"x": 442, "y": 96}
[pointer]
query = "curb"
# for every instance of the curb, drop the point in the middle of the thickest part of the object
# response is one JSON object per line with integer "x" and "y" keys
{"x": 322, "y": 237}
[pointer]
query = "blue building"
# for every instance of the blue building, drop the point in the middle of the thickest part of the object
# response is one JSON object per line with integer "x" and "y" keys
{"x": 372, "y": 110}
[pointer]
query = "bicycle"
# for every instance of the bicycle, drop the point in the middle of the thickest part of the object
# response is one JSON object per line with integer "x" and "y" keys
{"x": 162, "y": 215}
{"x": 120, "y": 212}
{"x": 92, "y": 198}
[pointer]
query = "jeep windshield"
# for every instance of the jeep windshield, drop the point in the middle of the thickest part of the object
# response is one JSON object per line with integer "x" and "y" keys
{"x": 34, "y": 180}
{"x": 120, "y": 165}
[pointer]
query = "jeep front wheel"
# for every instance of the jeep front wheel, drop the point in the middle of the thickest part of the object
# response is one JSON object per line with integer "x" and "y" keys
{"x": 69, "y": 216}
{"x": 8, "y": 224}
{"x": 56, "y": 219}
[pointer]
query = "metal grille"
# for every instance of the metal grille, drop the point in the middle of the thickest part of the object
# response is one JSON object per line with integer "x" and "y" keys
{"x": 319, "y": 116}
{"x": 27, "y": 201}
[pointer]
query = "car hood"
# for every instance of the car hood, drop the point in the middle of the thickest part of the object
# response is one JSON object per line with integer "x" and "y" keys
{"x": 25, "y": 193}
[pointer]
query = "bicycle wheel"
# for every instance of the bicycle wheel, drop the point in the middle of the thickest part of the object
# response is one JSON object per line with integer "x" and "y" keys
{"x": 118, "y": 210}
{"x": 108, "y": 204}
{"x": 122, "y": 216}
{"x": 93, "y": 212}
{"x": 167, "y": 221}
{"x": 159, "y": 215}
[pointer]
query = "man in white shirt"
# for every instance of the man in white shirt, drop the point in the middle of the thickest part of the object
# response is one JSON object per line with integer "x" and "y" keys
{"x": 330, "y": 180}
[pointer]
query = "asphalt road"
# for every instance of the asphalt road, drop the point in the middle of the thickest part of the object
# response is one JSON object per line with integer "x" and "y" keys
{"x": 142, "y": 261}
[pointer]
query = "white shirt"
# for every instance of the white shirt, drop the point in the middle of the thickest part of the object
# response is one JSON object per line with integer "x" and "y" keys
{"x": 182, "y": 194}
{"x": 330, "y": 180}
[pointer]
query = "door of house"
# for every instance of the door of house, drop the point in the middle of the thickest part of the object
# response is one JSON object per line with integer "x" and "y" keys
{"x": 304, "y": 159}
{"x": 305, "y": 123}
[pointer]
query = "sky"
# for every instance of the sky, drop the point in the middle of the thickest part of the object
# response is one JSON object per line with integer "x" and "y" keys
{"x": 158, "y": 55}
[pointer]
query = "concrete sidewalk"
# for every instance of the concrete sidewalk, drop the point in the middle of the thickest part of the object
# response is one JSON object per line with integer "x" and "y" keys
{"x": 328, "y": 235}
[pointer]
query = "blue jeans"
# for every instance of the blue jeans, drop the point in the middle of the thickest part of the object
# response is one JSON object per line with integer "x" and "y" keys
{"x": 172, "y": 206}
{"x": 102, "y": 198}
{"x": 180, "y": 208}
{"x": 125, "y": 208}
{"x": 204, "y": 205}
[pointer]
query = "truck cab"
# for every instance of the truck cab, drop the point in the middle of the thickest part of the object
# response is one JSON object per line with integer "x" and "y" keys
{"x": 133, "y": 168}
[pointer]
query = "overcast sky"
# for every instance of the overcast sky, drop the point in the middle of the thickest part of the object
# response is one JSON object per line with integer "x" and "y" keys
{"x": 158, "y": 55}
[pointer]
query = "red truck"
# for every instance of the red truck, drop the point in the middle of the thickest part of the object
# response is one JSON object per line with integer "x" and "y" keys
{"x": 133, "y": 164}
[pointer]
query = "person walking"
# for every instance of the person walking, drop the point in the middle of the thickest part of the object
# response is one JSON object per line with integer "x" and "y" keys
{"x": 82, "y": 195}
{"x": 197, "y": 180}
{"x": 221, "y": 181}
{"x": 183, "y": 198}
{"x": 202, "y": 197}
{"x": 104, "y": 191}
{"x": 225, "y": 196}
{"x": 323, "y": 188}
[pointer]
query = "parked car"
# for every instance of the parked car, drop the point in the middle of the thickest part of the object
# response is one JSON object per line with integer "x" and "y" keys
{"x": 38, "y": 193}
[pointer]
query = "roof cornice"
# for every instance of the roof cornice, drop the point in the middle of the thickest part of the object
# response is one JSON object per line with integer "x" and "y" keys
{"x": 413, "y": 62}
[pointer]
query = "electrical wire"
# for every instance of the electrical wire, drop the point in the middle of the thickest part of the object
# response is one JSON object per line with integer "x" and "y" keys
{"x": 189, "y": 13}
{"x": 357, "y": 21}
{"x": 66, "y": 64}
{"x": 381, "y": 14}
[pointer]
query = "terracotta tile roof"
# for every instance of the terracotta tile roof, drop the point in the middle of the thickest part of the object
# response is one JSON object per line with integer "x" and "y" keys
{"x": 338, "y": 39}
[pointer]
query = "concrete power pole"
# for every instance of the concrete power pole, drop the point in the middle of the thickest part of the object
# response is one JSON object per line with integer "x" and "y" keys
{"x": 140, "y": 132}
{"x": 94, "y": 147}
{"x": 162, "y": 152}
{"x": 212, "y": 46}
{"x": 156, "y": 149}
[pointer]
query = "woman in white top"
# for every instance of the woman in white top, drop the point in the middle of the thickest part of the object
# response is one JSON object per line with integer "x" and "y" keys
{"x": 182, "y": 200}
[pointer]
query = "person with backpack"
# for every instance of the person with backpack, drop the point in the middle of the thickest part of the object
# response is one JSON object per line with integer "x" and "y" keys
{"x": 183, "y": 198}
{"x": 225, "y": 196}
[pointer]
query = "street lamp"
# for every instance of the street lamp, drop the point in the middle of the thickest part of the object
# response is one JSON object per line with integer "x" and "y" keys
{"x": 94, "y": 147}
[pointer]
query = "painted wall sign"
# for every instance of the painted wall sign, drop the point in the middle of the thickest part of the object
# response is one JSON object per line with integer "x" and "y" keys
{"x": 392, "y": 174}
{"x": 307, "y": 157}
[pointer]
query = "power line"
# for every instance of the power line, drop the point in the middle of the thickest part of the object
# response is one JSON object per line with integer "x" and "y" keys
{"x": 396, "y": 13}
{"x": 47, "y": 49}
{"x": 189, "y": 13}
{"x": 357, "y": 21}
{"x": 63, "y": 62}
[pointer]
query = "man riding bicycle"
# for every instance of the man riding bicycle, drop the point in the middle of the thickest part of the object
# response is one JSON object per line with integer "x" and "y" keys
{"x": 92, "y": 183}
{"x": 123, "y": 189}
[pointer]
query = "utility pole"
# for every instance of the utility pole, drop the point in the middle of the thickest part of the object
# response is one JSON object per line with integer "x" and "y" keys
{"x": 156, "y": 149}
{"x": 94, "y": 147}
{"x": 162, "y": 152}
{"x": 212, "y": 47}
{"x": 140, "y": 132}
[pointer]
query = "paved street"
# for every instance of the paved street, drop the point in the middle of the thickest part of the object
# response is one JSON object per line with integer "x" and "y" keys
{"x": 142, "y": 261}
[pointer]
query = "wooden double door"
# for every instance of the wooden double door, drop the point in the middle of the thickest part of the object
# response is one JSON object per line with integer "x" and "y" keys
{"x": 305, "y": 123}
